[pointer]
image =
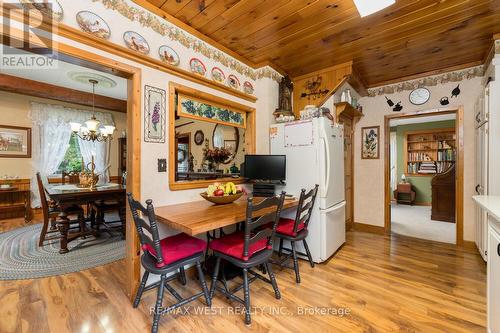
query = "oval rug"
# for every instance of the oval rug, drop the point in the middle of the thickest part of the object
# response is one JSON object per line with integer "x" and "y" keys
{"x": 22, "y": 258}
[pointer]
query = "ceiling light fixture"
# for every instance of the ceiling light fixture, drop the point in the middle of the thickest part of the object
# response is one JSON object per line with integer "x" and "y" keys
{"x": 367, "y": 7}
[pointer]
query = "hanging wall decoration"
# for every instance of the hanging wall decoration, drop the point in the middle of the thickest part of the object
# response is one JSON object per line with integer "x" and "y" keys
{"x": 193, "y": 108}
{"x": 93, "y": 24}
{"x": 455, "y": 92}
{"x": 444, "y": 101}
{"x": 154, "y": 114}
{"x": 136, "y": 42}
{"x": 52, "y": 9}
{"x": 398, "y": 107}
{"x": 168, "y": 55}
{"x": 389, "y": 102}
{"x": 370, "y": 142}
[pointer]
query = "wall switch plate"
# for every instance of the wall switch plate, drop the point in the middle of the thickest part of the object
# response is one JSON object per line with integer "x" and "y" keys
{"x": 162, "y": 165}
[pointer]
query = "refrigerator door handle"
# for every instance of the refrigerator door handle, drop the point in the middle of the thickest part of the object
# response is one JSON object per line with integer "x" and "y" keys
{"x": 327, "y": 178}
{"x": 335, "y": 207}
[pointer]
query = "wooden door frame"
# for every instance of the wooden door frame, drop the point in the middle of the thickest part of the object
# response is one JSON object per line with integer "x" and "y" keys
{"x": 459, "y": 175}
{"x": 133, "y": 75}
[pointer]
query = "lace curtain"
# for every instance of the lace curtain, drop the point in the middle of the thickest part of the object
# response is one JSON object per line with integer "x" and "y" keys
{"x": 51, "y": 134}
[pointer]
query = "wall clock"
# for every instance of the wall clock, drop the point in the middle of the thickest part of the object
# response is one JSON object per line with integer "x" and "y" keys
{"x": 420, "y": 96}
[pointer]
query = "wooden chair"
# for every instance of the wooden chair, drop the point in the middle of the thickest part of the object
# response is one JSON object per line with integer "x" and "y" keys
{"x": 295, "y": 230}
{"x": 98, "y": 210}
{"x": 165, "y": 256}
{"x": 250, "y": 248}
{"x": 53, "y": 213}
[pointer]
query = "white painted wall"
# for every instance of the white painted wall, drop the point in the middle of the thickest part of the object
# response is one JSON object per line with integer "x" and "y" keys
{"x": 369, "y": 174}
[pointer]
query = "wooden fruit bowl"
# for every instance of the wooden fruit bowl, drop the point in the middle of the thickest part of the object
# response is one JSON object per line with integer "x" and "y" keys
{"x": 222, "y": 200}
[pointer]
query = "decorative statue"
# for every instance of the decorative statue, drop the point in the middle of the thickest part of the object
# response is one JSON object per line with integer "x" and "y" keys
{"x": 285, "y": 95}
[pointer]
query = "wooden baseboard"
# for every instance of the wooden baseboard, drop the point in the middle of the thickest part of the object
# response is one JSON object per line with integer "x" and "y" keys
{"x": 469, "y": 245}
{"x": 374, "y": 229}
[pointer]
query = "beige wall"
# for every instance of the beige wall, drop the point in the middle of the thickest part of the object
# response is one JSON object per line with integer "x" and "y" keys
{"x": 14, "y": 111}
{"x": 369, "y": 174}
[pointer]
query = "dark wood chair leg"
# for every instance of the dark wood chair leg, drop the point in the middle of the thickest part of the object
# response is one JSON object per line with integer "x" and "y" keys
{"x": 280, "y": 252}
{"x": 214, "y": 277}
{"x": 248, "y": 319}
{"x": 277, "y": 293}
{"x": 203, "y": 284}
{"x": 295, "y": 263}
{"x": 182, "y": 276}
{"x": 141, "y": 289}
{"x": 53, "y": 224}
{"x": 311, "y": 262}
{"x": 63, "y": 227}
{"x": 158, "y": 305}
{"x": 43, "y": 233}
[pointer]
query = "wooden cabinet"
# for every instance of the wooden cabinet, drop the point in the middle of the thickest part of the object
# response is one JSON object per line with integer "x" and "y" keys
{"x": 443, "y": 196}
{"x": 493, "y": 286}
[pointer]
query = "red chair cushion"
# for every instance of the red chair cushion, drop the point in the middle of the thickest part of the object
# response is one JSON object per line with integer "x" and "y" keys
{"x": 232, "y": 245}
{"x": 285, "y": 227}
{"x": 176, "y": 247}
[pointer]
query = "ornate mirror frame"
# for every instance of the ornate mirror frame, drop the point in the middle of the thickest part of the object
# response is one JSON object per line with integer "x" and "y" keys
{"x": 174, "y": 89}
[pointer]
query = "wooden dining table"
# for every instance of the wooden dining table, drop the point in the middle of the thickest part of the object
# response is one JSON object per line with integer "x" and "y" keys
{"x": 69, "y": 195}
{"x": 198, "y": 217}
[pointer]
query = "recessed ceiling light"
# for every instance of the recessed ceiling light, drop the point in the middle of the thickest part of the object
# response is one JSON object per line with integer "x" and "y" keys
{"x": 367, "y": 7}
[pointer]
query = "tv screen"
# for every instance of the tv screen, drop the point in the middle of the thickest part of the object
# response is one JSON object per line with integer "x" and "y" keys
{"x": 265, "y": 167}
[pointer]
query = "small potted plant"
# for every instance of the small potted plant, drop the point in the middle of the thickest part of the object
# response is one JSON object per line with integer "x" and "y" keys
{"x": 216, "y": 156}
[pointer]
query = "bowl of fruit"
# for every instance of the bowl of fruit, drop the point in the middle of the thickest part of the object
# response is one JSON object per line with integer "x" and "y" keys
{"x": 221, "y": 194}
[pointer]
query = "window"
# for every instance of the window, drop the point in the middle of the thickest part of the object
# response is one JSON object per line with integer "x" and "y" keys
{"x": 73, "y": 158}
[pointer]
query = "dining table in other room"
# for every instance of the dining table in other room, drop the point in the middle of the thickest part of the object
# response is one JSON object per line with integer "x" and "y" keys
{"x": 70, "y": 194}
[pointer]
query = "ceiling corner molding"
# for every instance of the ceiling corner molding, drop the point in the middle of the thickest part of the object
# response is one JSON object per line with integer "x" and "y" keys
{"x": 428, "y": 81}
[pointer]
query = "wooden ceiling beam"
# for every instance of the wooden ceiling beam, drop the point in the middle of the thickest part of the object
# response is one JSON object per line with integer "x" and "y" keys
{"x": 23, "y": 86}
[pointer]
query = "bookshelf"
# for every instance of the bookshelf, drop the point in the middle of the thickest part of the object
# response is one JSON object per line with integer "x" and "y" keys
{"x": 429, "y": 152}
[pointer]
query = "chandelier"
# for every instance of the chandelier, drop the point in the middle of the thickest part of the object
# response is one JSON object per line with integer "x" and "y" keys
{"x": 93, "y": 130}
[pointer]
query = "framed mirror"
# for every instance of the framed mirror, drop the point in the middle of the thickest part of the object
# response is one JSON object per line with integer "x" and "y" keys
{"x": 228, "y": 137}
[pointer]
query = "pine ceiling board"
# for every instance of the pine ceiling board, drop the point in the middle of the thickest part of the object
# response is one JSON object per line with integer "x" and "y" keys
{"x": 192, "y": 9}
{"x": 173, "y": 6}
{"x": 350, "y": 28}
{"x": 157, "y": 3}
{"x": 450, "y": 24}
{"x": 300, "y": 36}
{"x": 212, "y": 11}
{"x": 247, "y": 25}
{"x": 242, "y": 8}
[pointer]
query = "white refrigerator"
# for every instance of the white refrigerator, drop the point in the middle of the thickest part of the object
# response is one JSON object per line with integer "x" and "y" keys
{"x": 314, "y": 152}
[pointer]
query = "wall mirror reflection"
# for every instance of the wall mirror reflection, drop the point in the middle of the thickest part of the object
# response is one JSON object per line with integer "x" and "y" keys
{"x": 207, "y": 150}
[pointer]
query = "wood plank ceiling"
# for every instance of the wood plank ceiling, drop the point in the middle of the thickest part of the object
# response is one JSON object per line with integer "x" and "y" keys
{"x": 301, "y": 36}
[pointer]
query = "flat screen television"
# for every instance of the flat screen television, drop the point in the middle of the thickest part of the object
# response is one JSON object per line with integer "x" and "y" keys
{"x": 265, "y": 167}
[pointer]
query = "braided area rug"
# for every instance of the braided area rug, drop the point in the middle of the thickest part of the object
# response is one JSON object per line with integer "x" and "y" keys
{"x": 22, "y": 258}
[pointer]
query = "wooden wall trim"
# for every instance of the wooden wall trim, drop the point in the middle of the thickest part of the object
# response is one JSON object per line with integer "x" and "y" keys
{"x": 373, "y": 229}
{"x": 44, "y": 90}
{"x": 121, "y": 51}
{"x": 175, "y": 88}
{"x": 459, "y": 176}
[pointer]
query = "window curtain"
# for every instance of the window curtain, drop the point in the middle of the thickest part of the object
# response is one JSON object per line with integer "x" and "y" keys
{"x": 51, "y": 134}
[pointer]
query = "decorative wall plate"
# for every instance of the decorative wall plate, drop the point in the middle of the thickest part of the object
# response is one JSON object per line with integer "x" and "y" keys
{"x": 136, "y": 42}
{"x": 52, "y": 9}
{"x": 199, "y": 137}
{"x": 197, "y": 66}
{"x": 248, "y": 88}
{"x": 93, "y": 24}
{"x": 218, "y": 75}
{"x": 168, "y": 55}
{"x": 233, "y": 82}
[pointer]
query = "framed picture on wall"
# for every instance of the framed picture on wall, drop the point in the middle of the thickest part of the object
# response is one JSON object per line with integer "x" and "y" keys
{"x": 15, "y": 141}
{"x": 370, "y": 146}
{"x": 154, "y": 114}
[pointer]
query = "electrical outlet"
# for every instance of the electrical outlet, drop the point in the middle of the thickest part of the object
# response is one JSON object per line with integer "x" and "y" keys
{"x": 162, "y": 165}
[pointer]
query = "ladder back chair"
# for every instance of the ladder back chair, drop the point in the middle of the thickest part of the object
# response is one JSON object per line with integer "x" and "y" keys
{"x": 52, "y": 214}
{"x": 163, "y": 256}
{"x": 295, "y": 230}
{"x": 249, "y": 248}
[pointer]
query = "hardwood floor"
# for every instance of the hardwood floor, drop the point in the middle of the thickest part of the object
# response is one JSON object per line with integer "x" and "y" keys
{"x": 386, "y": 285}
